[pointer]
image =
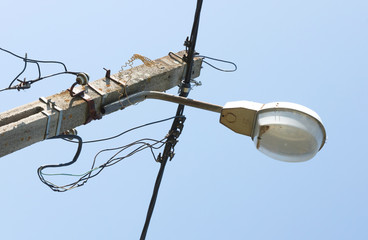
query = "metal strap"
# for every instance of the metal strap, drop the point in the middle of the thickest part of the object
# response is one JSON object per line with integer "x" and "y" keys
{"x": 57, "y": 133}
{"x": 51, "y": 105}
{"x": 47, "y": 125}
{"x": 102, "y": 95}
{"x": 92, "y": 113}
{"x": 108, "y": 78}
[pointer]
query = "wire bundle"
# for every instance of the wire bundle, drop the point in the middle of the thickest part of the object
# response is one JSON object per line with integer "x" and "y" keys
{"x": 118, "y": 154}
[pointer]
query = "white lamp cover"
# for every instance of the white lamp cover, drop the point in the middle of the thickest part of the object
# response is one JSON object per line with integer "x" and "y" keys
{"x": 288, "y": 132}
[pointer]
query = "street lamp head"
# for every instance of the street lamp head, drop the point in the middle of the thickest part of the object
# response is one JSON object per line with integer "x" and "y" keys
{"x": 288, "y": 132}
{"x": 283, "y": 131}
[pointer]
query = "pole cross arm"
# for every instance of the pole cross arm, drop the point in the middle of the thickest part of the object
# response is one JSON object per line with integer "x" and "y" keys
{"x": 25, "y": 125}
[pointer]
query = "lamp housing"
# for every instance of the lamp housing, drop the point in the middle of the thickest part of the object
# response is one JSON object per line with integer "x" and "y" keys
{"x": 284, "y": 131}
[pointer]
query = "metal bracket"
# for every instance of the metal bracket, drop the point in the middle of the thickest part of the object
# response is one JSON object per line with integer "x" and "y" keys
{"x": 92, "y": 113}
{"x": 101, "y": 94}
{"x": 51, "y": 105}
{"x": 59, "y": 119}
{"x": 108, "y": 77}
{"x": 47, "y": 130}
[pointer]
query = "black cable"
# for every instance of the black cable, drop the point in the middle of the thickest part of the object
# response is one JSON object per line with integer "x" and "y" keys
{"x": 76, "y": 156}
{"x": 34, "y": 60}
{"x": 153, "y": 199}
{"x": 94, "y": 171}
{"x": 114, "y": 159}
{"x": 219, "y": 60}
{"x": 129, "y": 130}
{"x": 52, "y": 75}
{"x": 173, "y": 55}
{"x": 27, "y": 84}
{"x": 190, "y": 44}
{"x": 21, "y": 72}
{"x": 141, "y": 144}
{"x": 177, "y": 125}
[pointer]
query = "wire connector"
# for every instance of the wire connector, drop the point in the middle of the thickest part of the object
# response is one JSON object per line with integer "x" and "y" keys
{"x": 23, "y": 85}
{"x": 184, "y": 89}
{"x": 71, "y": 133}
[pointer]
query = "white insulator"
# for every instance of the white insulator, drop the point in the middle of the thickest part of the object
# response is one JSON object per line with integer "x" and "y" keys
{"x": 82, "y": 78}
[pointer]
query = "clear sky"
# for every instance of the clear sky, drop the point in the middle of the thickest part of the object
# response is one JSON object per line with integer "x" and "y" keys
{"x": 218, "y": 186}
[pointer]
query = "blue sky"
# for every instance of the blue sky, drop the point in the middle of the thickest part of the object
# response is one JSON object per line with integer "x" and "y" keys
{"x": 218, "y": 186}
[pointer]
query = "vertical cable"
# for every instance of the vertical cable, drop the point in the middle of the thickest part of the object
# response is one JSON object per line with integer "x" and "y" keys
{"x": 177, "y": 125}
{"x": 153, "y": 198}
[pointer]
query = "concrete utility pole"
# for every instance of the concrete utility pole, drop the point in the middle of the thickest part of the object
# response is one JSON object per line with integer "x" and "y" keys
{"x": 51, "y": 116}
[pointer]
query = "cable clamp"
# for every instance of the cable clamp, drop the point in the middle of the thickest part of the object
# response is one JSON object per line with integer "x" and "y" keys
{"x": 47, "y": 130}
{"x": 159, "y": 158}
{"x": 108, "y": 78}
{"x": 101, "y": 94}
{"x": 187, "y": 43}
{"x": 92, "y": 113}
{"x": 52, "y": 106}
{"x": 23, "y": 85}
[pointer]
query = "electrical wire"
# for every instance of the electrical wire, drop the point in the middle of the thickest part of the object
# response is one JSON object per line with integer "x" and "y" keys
{"x": 116, "y": 156}
{"x": 178, "y": 123}
{"x": 175, "y": 57}
{"x": 76, "y": 156}
{"x": 25, "y": 84}
{"x": 122, "y": 133}
{"x": 219, "y": 60}
{"x": 33, "y": 60}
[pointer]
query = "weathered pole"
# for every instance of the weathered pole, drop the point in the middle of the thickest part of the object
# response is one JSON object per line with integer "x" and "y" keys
{"x": 25, "y": 125}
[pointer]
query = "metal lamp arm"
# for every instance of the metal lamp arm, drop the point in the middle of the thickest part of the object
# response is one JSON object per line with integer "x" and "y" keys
{"x": 139, "y": 97}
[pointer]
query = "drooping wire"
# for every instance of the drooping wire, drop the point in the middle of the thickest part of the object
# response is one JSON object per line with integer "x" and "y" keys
{"x": 176, "y": 57}
{"x": 219, "y": 60}
{"x": 33, "y": 60}
{"x": 140, "y": 145}
{"x": 116, "y": 157}
{"x": 122, "y": 133}
{"x": 25, "y": 84}
{"x": 76, "y": 156}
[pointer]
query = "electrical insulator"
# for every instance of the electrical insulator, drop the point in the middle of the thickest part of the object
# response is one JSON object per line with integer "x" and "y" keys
{"x": 82, "y": 78}
{"x": 71, "y": 132}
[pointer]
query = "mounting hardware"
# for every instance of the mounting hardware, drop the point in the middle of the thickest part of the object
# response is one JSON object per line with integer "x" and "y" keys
{"x": 70, "y": 132}
{"x": 159, "y": 158}
{"x": 23, "y": 85}
{"x": 108, "y": 78}
{"x": 82, "y": 78}
{"x": 92, "y": 113}
{"x": 52, "y": 106}
{"x": 47, "y": 130}
{"x": 101, "y": 94}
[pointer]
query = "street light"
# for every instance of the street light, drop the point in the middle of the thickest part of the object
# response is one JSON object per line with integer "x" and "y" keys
{"x": 284, "y": 131}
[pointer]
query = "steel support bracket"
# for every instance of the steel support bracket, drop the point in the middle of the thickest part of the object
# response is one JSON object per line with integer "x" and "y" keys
{"x": 51, "y": 106}
{"x": 92, "y": 113}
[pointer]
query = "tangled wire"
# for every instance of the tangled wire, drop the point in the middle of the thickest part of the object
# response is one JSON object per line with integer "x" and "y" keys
{"x": 26, "y": 84}
{"x": 117, "y": 154}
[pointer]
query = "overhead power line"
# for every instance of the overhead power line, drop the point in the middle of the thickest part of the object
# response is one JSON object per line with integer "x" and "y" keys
{"x": 178, "y": 123}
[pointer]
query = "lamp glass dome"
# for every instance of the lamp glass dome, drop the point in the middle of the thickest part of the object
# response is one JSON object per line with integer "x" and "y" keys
{"x": 288, "y": 132}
